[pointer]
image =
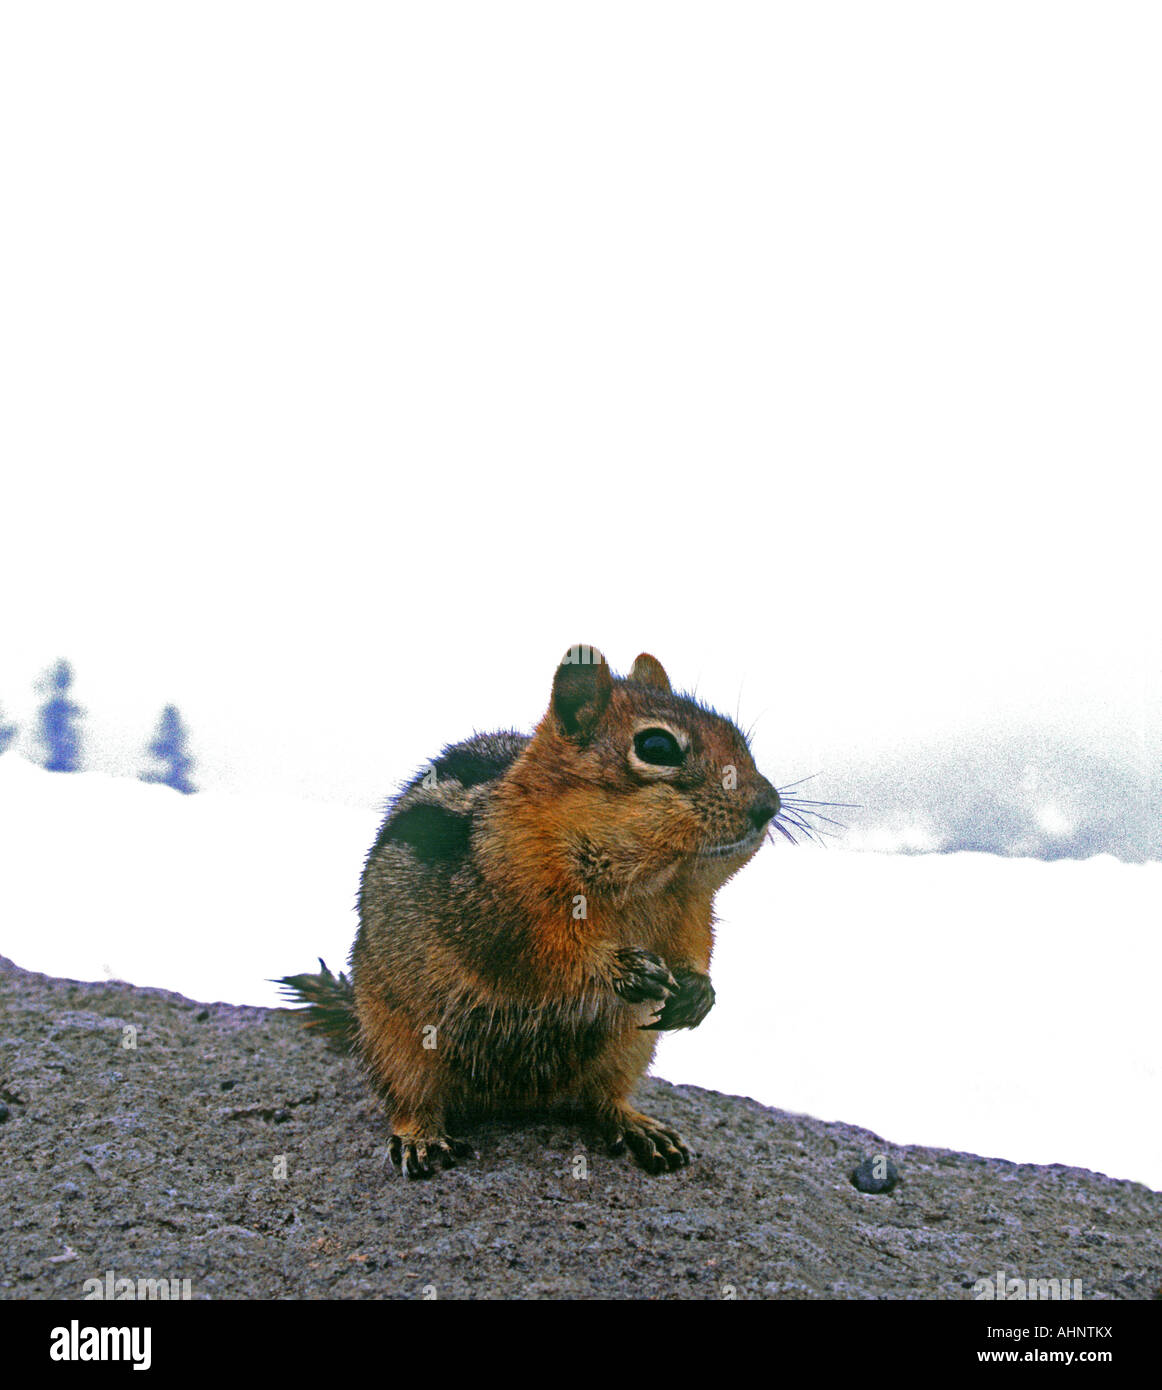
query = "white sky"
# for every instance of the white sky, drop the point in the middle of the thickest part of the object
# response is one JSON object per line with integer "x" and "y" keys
{"x": 359, "y": 359}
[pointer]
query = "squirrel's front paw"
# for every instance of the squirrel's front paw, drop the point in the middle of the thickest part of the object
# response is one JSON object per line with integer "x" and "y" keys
{"x": 414, "y": 1156}
{"x": 691, "y": 1004}
{"x": 639, "y": 975}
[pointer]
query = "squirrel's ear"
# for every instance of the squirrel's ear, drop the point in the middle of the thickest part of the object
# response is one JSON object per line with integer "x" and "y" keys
{"x": 648, "y": 670}
{"x": 581, "y": 691}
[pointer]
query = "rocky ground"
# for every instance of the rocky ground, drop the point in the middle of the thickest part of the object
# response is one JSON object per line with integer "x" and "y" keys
{"x": 228, "y": 1147}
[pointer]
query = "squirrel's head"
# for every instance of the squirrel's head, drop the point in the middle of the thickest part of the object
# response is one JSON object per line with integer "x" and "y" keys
{"x": 634, "y": 784}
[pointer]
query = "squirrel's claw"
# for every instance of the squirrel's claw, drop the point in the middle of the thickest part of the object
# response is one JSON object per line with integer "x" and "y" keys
{"x": 640, "y": 975}
{"x": 689, "y": 1006}
{"x": 655, "y": 1147}
{"x": 414, "y": 1157}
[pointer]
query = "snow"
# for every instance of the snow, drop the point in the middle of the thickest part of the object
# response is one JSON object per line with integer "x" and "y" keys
{"x": 997, "y": 1005}
{"x": 210, "y": 894}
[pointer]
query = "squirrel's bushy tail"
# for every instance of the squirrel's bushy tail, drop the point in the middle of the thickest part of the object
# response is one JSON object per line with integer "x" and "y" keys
{"x": 329, "y": 1004}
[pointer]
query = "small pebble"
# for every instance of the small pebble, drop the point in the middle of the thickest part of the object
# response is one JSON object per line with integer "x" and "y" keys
{"x": 878, "y": 1174}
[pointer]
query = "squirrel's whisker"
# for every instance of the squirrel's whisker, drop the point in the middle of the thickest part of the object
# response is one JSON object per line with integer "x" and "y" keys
{"x": 806, "y": 811}
{"x": 810, "y": 777}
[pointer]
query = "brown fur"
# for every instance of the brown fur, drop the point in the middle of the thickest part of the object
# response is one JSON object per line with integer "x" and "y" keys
{"x": 545, "y": 906}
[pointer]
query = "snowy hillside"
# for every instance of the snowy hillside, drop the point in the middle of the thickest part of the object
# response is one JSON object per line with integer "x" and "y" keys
{"x": 107, "y": 877}
{"x": 1001, "y": 1006}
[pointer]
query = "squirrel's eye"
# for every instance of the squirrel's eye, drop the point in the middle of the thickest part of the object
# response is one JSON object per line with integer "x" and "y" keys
{"x": 658, "y": 746}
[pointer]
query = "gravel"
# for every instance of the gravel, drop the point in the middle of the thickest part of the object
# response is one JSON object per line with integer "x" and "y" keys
{"x": 148, "y": 1136}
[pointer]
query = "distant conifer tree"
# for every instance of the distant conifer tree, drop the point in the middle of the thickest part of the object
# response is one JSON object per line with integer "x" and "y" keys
{"x": 58, "y": 718}
{"x": 169, "y": 748}
{"x": 7, "y": 733}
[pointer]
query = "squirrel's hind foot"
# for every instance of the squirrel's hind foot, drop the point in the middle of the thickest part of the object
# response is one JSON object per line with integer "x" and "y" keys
{"x": 415, "y": 1156}
{"x": 655, "y": 1147}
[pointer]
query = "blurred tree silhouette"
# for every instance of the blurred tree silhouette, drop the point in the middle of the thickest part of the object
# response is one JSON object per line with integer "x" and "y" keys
{"x": 58, "y": 718}
{"x": 7, "y": 732}
{"x": 169, "y": 748}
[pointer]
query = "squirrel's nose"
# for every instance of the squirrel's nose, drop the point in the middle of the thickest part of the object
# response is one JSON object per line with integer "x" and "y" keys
{"x": 765, "y": 808}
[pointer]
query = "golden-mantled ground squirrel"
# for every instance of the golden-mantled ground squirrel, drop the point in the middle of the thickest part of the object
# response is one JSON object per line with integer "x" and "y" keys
{"x": 534, "y": 910}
